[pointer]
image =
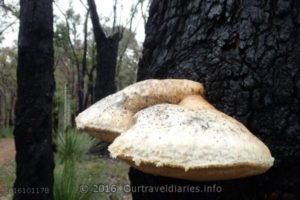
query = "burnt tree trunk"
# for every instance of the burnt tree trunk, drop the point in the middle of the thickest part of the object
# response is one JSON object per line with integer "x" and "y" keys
{"x": 247, "y": 54}
{"x": 33, "y": 127}
{"x": 107, "y": 51}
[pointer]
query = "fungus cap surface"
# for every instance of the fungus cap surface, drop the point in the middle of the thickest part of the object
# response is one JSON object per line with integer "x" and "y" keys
{"x": 112, "y": 115}
{"x": 199, "y": 144}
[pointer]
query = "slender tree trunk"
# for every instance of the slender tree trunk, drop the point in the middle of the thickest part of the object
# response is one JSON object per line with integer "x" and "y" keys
{"x": 89, "y": 97}
{"x": 4, "y": 107}
{"x": 84, "y": 62}
{"x": 5, "y": 113}
{"x": 11, "y": 110}
{"x": 1, "y": 110}
{"x": 33, "y": 129}
{"x": 247, "y": 54}
{"x": 107, "y": 51}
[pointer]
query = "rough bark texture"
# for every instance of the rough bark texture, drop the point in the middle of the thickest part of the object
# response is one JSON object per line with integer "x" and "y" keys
{"x": 107, "y": 51}
{"x": 247, "y": 54}
{"x": 106, "y": 69}
{"x": 33, "y": 126}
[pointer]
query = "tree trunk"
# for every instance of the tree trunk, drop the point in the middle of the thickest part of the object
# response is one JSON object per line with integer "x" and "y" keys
{"x": 107, "y": 51}
{"x": 33, "y": 129}
{"x": 11, "y": 110}
{"x": 84, "y": 63}
{"x": 1, "y": 115}
{"x": 106, "y": 67}
{"x": 247, "y": 54}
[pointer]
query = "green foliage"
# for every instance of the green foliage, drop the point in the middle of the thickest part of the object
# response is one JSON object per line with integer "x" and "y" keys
{"x": 72, "y": 145}
{"x": 106, "y": 173}
{"x": 91, "y": 173}
{"x": 6, "y": 132}
{"x": 128, "y": 56}
{"x": 8, "y": 84}
{"x": 126, "y": 75}
{"x": 64, "y": 107}
{"x": 7, "y": 178}
{"x": 68, "y": 179}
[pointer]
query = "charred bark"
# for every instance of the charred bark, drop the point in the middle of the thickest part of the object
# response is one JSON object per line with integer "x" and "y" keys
{"x": 106, "y": 67}
{"x": 247, "y": 54}
{"x": 33, "y": 127}
{"x": 107, "y": 51}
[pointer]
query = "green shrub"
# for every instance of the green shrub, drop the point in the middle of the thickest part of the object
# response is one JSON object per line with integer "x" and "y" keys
{"x": 6, "y": 132}
{"x": 68, "y": 178}
{"x": 72, "y": 145}
{"x": 7, "y": 175}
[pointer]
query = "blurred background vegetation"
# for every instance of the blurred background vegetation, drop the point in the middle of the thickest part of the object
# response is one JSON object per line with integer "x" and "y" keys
{"x": 70, "y": 39}
{"x": 77, "y": 155}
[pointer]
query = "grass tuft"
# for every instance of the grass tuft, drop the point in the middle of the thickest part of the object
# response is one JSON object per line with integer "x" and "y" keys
{"x": 72, "y": 145}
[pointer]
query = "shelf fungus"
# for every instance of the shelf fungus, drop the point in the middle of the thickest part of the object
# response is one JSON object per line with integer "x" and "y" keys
{"x": 171, "y": 130}
{"x": 191, "y": 141}
{"x": 112, "y": 115}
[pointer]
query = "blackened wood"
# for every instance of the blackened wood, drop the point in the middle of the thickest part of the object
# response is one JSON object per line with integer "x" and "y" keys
{"x": 107, "y": 51}
{"x": 33, "y": 127}
{"x": 247, "y": 54}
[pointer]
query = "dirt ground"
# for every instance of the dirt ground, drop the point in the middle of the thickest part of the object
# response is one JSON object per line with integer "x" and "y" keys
{"x": 7, "y": 150}
{"x": 7, "y": 155}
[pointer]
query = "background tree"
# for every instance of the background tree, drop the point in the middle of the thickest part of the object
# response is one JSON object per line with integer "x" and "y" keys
{"x": 69, "y": 45}
{"x": 8, "y": 85}
{"x": 75, "y": 60}
{"x": 247, "y": 54}
{"x": 107, "y": 51}
{"x": 129, "y": 54}
{"x": 128, "y": 51}
{"x": 9, "y": 16}
{"x": 33, "y": 129}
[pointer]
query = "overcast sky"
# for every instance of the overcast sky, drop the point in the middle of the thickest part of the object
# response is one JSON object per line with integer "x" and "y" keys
{"x": 105, "y": 10}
